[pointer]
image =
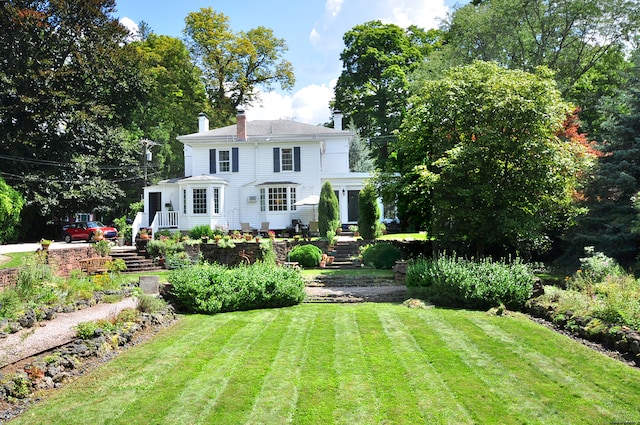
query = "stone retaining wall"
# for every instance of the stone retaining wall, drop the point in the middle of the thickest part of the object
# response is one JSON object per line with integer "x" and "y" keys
{"x": 62, "y": 262}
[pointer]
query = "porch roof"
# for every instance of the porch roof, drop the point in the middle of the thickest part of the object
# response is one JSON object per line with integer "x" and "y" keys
{"x": 203, "y": 178}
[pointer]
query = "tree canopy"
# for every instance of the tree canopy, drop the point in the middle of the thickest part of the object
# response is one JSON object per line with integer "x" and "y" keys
{"x": 481, "y": 161}
{"x": 69, "y": 83}
{"x": 373, "y": 88}
{"x": 235, "y": 64}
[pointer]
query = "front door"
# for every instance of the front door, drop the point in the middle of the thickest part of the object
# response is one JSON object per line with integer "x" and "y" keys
{"x": 352, "y": 205}
{"x": 155, "y": 205}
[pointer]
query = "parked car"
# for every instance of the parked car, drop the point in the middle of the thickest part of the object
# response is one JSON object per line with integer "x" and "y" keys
{"x": 84, "y": 231}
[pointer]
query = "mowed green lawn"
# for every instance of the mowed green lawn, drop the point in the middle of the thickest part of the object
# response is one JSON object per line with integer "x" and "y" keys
{"x": 351, "y": 364}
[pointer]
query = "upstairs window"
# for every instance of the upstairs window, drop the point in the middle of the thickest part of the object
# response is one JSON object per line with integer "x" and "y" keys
{"x": 224, "y": 161}
{"x": 286, "y": 159}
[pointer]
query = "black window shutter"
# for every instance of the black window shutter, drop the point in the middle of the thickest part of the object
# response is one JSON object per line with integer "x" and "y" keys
{"x": 212, "y": 161}
{"x": 276, "y": 160}
{"x": 235, "y": 165}
{"x": 296, "y": 158}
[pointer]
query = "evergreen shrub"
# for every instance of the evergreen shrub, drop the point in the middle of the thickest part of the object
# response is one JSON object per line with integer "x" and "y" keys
{"x": 306, "y": 255}
{"x": 213, "y": 288}
{"x": 482, "y": 284}
{"x": 381, "y": 255}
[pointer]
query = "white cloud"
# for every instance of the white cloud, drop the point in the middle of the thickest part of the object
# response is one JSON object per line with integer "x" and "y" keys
{"x": 333, "y": 7}
{"x": 309, "y": 105}
{"x": 133, "y": 28}
{"x": 314, "y": 37}
{"x": 425, "y": 14}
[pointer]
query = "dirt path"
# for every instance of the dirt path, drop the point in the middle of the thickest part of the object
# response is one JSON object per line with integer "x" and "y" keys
{"x": 56, "y": 332}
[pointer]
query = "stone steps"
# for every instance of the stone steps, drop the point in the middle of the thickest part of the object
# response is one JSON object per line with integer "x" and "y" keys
{"x": 135, "y": 262}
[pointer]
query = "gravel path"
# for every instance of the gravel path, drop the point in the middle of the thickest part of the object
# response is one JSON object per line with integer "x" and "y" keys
{"x": 56, "y": 332}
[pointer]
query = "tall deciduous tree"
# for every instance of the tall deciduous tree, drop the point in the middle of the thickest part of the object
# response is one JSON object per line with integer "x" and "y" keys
{"x": 373, "y": 88}
{"x": 482, "y": 162}
{"x": 11, "y": 203}
{"x": 235, "y": 64}
{"x": 68, "y": 83}
{"x": 328, "y": 212}
{"x": 176, "y": 96}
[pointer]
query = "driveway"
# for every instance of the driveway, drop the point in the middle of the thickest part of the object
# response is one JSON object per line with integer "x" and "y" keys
{"x": 32, "y": 246}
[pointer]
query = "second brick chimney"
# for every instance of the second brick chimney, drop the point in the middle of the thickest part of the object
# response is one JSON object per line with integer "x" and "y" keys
{"x": 241, "y": 125}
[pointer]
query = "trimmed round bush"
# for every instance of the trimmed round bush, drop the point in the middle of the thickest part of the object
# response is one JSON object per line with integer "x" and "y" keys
{"x": 306, "y": 255}
{"x": 381, "y": 255}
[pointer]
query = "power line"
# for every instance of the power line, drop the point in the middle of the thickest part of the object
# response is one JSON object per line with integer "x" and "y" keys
{"x": 64, "y": 164}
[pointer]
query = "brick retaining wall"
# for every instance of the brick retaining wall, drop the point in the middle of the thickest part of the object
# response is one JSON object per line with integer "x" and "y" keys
{"x": 62, "y": 262}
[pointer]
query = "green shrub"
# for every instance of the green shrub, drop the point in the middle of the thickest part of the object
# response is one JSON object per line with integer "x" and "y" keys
{"x": 86, "y": 330}
{"x": 456, "y": 282}
{"x": 164, "y": 247}
{"x": 306, "y": 255}
{"x": 213, "y": 288}
{"x": 198, "y": 232}
{"x": 381, "y": 255}
{"x": 328, "y": 210}
{"x": 9, "y": 303}
{"x": 150, "y": 304}
{"x": 368, "y": 221}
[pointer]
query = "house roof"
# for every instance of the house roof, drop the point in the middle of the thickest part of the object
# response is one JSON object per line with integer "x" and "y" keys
{"x": 194, "y": 179}
{"x": 267, "y": 129}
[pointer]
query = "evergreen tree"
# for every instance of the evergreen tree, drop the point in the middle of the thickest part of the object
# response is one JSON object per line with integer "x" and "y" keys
{"x": 328, "y": 210}
{"x": 610, "y": 223}
{"x": 368, "y": 221}
{"x": 360, "y": 159}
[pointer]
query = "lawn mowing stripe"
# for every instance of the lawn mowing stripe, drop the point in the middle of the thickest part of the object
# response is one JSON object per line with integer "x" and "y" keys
{"x": 172, "y": 380}
{"x": 356, "y": 388}
{"x": 557, "y": 386}
{"x": 441, "y": 344}
{"x": 397, "y": 402}
{"x": 435, "y": 398}
{"x": 521, "y": 401}
{"x": 201, "y": 394}
{"x": 317, "y": 394}
{"x": 104, "y": 389}
{"x": 616, "y": 385}
{"x": 234, "y": 403}
{"x": 276, "y": 402}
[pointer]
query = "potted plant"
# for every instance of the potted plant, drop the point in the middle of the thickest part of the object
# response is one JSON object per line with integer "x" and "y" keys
{"x": 98, "y": 235}
{"x": 45, "y": 243}
{"x": 272, "y": 234}
{"x": 248, "y": 237}
{"x": 144, "y": 234}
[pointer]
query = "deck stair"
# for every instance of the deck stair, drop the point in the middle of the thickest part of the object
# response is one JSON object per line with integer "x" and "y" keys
{"x": 135, "y": 262}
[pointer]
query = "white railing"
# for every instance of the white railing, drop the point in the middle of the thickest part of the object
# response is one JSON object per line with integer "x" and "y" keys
{"x": 135, "y": 227}
{"x": 167, "y": 219}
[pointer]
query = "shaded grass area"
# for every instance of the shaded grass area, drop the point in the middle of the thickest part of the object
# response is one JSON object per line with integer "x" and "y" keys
{"x": 351, "y": 364}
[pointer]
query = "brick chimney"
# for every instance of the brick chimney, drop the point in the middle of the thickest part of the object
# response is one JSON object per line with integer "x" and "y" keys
{"x": 241, "y": 125}
{"x": 337, "y": 119}
{"x": 203, "y": 123}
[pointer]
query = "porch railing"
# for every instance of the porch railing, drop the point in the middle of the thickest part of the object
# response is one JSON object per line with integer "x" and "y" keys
{"x": 167, "y": 219}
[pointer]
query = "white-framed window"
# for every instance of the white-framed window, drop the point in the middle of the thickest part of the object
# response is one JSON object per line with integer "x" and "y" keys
{"x": 199, "y": 201}
{"x": 224, "y": 161}
{"x": 278, "y": 198}
{"x": 216, "y": 200}
{"x": 286, "y": 159}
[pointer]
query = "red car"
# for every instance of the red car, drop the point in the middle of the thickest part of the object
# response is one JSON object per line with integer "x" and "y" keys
{"x": 84, "y": 231}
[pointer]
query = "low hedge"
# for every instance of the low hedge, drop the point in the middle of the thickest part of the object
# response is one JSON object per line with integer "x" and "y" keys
{"x": 456, "y": 282}
{"x": 213, "y": 288}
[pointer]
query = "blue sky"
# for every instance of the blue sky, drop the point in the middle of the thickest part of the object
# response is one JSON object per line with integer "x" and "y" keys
{"x": 313, "y": 32}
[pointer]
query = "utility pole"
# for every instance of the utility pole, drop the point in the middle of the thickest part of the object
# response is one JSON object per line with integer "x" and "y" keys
{"x": 146, "y": 156}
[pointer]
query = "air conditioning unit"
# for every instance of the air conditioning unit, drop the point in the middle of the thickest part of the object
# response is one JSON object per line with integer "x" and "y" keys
{"x": 252, "y": 198}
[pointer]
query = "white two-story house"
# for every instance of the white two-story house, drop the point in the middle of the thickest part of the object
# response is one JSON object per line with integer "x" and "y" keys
{"x": 254, "y": 172}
